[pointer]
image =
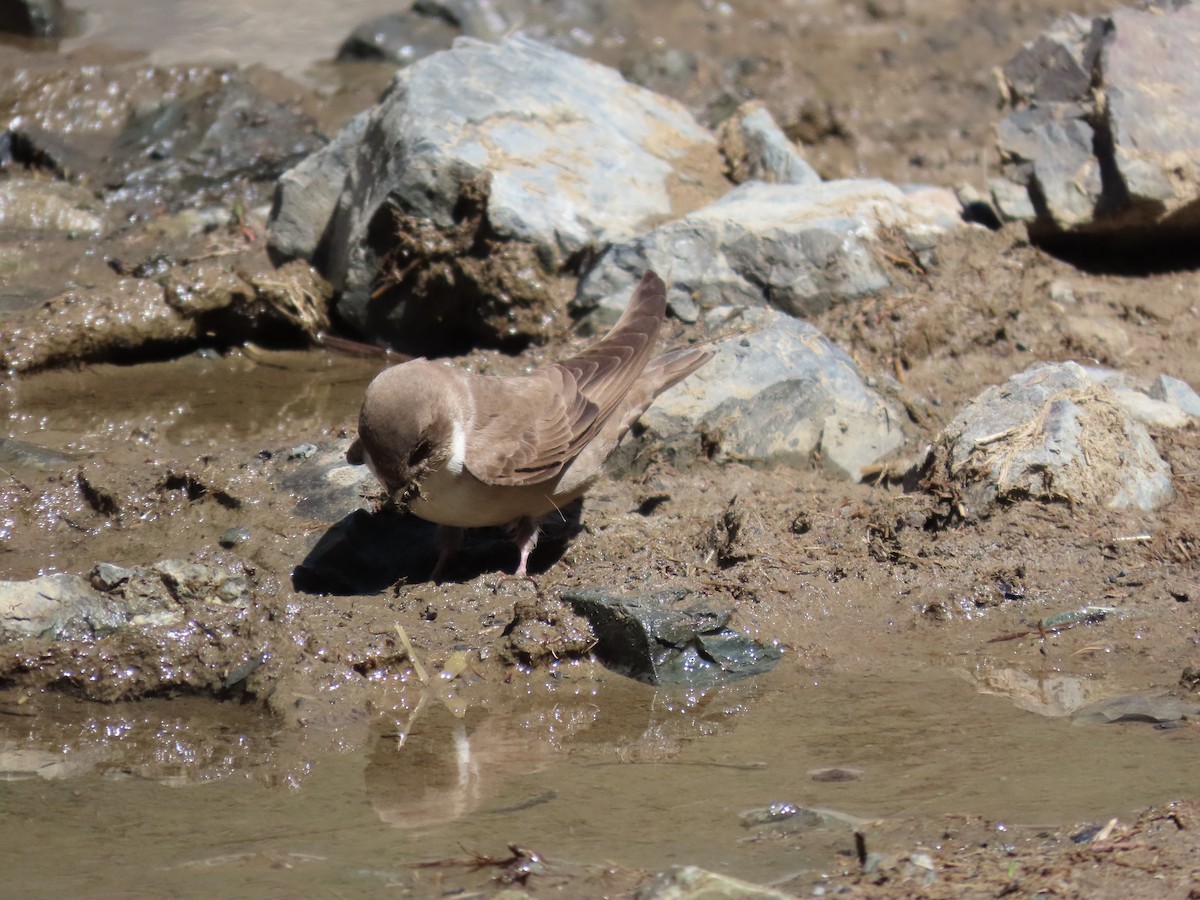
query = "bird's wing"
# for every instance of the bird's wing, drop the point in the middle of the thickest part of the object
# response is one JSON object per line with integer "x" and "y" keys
{"x": 605, "y": 371}
{"x": 523, "y": 427}
{"x": 528, "y": 428}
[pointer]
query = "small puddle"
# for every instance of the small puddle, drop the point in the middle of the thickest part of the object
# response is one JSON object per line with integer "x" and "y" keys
{"x": 200, "y": 401}
{"x": 578, "y": 770}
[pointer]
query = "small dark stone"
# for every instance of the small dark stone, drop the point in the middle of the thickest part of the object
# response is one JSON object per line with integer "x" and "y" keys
{"x": 106, "y": 576}
{"x": 238, "y": 534}
{"x": 33, "y": 18}
{"x": 402, "y": 38}
{"x": 1189, "y": 679}
{"x": 835, "y": 774}
{"x": 802, "y": 524}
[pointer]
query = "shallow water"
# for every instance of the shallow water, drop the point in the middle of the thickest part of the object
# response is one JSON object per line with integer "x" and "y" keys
{"x": 284, "y": 36}
{"x": 614, "y": 771}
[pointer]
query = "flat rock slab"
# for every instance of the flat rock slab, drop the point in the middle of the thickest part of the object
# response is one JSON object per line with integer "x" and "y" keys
{"x": 778, "y": 394}
{"x": 70, "y": 607}
{"x": 565, "y": 156}
{"x": 660, "y": 640}
{"x": 1137, "y": 708}
{"x": 1051, "y": 433}
{"x": 797, "y": 247}
{"x": 1103, "y": 135}
{"x": 40, "y": 206}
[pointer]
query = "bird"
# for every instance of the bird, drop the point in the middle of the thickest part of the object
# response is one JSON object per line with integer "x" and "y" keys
{"x": 465, "y": 450}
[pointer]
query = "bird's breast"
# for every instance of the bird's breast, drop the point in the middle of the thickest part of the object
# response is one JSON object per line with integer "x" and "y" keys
{"x": 461, "y": 500}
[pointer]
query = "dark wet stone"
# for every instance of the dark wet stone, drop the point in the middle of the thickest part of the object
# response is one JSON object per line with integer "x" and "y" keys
{"x": 656, "y": 639}
{"x": 1085, "y": 835}
{"x": 835, "y": 774}
{"x": 401, "y": 38}
{"x": 327, "y": 488}
{"x": 187, "y": 145}
{"x": 33, "y": 18}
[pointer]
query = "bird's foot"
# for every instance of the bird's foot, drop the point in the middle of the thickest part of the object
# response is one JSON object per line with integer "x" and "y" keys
{"x": 450, "y": 541}
{"x": 526, "y": 535}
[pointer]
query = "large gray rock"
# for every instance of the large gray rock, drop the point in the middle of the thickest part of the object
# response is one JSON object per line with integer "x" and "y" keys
{"x": 797, "y": 247}
{"x": 1103, "y": 134}
{"x": 559, "y": 157}
{"x": 1051, "y": 433}
{"x": 778, "y": 394}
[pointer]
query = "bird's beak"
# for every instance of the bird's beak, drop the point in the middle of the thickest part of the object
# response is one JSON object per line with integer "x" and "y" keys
{"x": 403, "y": 497}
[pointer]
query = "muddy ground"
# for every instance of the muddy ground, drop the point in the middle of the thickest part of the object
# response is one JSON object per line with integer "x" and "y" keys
{"x": 859, "y": 583}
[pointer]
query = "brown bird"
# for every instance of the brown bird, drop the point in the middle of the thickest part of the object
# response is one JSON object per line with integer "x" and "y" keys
{"x": 468, "y": 451}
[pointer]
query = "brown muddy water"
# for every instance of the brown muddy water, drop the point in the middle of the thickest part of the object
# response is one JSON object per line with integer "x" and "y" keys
{"x": 583, "y": 773}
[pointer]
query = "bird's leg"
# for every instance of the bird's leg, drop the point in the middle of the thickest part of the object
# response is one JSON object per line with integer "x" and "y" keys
{"x": 525, "y": 533}
{"x": 450, "y": 541}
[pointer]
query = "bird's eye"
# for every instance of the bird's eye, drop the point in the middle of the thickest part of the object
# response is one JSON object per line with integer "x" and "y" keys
{"x": 419, "y": 454}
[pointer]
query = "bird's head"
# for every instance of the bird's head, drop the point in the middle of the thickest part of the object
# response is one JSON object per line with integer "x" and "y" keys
{"x": 408, "y": 423}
